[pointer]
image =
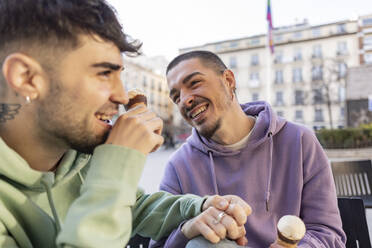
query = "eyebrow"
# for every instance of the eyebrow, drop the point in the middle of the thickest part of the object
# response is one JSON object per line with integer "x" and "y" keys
{"x": 108, "y": 65}
{"x": 185, "y": 80}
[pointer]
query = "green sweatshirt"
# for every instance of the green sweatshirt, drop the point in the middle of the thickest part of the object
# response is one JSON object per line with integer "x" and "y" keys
{"x": 90, "y": 201}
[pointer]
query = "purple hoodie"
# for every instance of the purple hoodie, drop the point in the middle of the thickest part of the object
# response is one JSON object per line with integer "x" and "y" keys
{"x": 282, "y": 170}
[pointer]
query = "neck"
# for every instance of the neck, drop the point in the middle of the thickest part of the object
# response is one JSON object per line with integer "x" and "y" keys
{"x": 234, "y": 127}
{"x": 40, "y": 156}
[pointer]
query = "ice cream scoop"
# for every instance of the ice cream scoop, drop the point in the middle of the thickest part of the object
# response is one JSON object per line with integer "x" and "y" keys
{"x": 291, "y": 230}
{"x": 136, "y": 97}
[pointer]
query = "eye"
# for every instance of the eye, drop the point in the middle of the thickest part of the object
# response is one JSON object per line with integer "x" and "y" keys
{"x": 194, "y": 82}
{"x": 105, "y": 73}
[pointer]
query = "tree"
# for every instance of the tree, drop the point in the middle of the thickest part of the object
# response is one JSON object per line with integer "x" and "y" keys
{"x": 328, "y": 84}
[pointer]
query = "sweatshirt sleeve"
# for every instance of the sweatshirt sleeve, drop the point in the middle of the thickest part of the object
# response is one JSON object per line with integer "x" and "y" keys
{"x": 110, "y": 203}
{"x": 101, "y": 216}
{"x": 170, "y": 183}
{"x": 319, "y": 209}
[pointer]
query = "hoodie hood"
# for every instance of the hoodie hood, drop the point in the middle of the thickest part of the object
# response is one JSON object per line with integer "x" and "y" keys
{"x": 18, "y": 172}
{"x": 267, "y": 123}
{"x": 266, "y": 126}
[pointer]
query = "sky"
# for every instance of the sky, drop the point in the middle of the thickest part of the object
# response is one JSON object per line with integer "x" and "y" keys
{"x": 164, "y": 26}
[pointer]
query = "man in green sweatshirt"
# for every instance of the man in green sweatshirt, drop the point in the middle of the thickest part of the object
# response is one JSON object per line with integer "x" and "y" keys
{"x": 68, "y": 177}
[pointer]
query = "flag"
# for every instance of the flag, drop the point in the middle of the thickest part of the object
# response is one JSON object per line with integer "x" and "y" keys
{"x": 270, "y": 27}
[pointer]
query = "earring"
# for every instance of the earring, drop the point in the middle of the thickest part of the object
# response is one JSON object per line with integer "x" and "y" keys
{"x": 28, "y": 99}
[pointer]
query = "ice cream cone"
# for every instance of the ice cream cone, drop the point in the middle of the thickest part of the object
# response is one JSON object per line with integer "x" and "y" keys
{"x": 291, "y": 230}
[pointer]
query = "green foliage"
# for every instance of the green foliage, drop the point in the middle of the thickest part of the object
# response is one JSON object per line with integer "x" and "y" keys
{"x": 346, "y": 138}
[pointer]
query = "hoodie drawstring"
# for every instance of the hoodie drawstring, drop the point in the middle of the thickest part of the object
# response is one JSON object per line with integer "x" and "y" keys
{"x": 270, "y": 136}
{"x": 46, "y": 184}
{"x": 213, "y": 173}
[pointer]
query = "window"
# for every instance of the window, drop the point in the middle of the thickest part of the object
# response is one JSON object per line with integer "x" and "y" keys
{"x": 255, "y": 41}
{"x": 297, "y": 35}
{"x": 341, "y": 28}
{"x": 254, "y": 79}
{"x": 341, "y": 48}
{"x": 299, "y": 115}
{"x": 279, "y": 98}
{"x": 297, "y": 75}
{"x": 144, "y": 81}
{"x": 152, "y": 84}
{"x": 316, "y": 32}
{"x": 234, "y": 44}
{"x": 255, "y": 96}
{"x": 367, "y": 22}
{"x": 367, "y": 42}
{"x": 278, "y": 57}
{"x": 233, "y": 62}
{"x": 254, "y": 59}
{"x": 317, "y": 51}
{"x": 317, "y": 73}
{"x": 278, "y": 77}
{"x": 317, "y": 96}
{"x": 297, "y": 54}
{"x": 218, "y": 47}
{"x": 299, "y": 97}
{"x": 280, "y": 113}
{"x": 368, "y": 58}
{"x": 318, "y": 117}
{"x": 341, "y": 70}
{"x": 278, "y": 38}
{"x": 341, "y": 94}
{"x": 342, "y": 113}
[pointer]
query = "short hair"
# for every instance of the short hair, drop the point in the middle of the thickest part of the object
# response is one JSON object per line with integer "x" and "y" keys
{"x": 207, "y": 58}
{"x": 59, "y": 22}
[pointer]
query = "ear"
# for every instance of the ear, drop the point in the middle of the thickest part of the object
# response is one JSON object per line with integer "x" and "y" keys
{"x": 230, "y": 81}
{"x": 24, "y": 75}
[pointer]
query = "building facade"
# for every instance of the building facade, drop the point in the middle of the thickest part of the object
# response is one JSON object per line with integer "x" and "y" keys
{"x": 365, "y": 39}
{"x": 359, "y": 95}
{"x": 304, "y": 80}
{"x": 140, "y": 72}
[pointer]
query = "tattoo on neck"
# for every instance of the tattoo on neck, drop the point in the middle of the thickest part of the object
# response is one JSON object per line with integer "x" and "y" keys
{"x": 8, "y": 111}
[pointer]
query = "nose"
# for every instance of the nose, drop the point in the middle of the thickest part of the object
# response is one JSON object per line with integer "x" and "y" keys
{"x": 119, "y": 94}
{"x": 186, "y": 100}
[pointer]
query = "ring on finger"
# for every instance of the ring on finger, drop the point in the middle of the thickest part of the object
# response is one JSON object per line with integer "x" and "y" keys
{"x": 219, "y": 218}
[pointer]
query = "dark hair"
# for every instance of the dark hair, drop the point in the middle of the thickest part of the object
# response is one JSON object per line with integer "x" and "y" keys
{"x": 207, "y": 58}
{"x": 58, "y": 23}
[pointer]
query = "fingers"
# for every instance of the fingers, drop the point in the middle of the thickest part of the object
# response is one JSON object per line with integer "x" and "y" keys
{"x": 237, "y": 212}
{"x": 233, "y": 199}
{"x": 234, "y": 231}
{"x": 216, "y": 201}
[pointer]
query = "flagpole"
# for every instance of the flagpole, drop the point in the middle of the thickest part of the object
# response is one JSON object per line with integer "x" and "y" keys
{"x": 269, "y": 52}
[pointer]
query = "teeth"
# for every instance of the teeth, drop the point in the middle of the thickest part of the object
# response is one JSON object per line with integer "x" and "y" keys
{"x": 104, "y": 118}
{"x": 200, "y": 110}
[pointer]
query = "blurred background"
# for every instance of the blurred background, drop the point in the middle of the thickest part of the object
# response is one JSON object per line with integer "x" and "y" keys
{"x": 310, "y": 59}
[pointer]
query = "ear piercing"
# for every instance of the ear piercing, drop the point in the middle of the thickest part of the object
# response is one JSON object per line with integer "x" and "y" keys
{"x": 28, "y": 99}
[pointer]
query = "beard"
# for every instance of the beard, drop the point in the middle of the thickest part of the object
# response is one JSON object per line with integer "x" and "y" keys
{"x": 61, "y": 124}
{"x": 208, "y": 132}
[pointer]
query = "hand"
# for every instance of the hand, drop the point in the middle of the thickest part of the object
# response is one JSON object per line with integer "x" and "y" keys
{"x": 235, "y": 207}
{"x": 139, "y": 129}
{"x": 206, "y": 224}
{"x": 231, "y": 225}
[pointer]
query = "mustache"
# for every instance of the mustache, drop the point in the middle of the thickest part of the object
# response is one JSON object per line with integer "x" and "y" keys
{"x": 185, "y": 109}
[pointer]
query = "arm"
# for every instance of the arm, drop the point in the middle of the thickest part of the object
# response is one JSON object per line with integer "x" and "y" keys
{"x": 319, "y": 208}
{"x": 170, "y": 184}
{"x": 101, "y": 216}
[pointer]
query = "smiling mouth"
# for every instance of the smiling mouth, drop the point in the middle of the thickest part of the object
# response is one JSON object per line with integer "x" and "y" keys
{"x": 196, "y": 113}
{"x": 107, "y": 119}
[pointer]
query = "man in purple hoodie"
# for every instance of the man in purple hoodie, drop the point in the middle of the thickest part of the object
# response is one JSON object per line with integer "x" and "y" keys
{"x": 276, "y": 166}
